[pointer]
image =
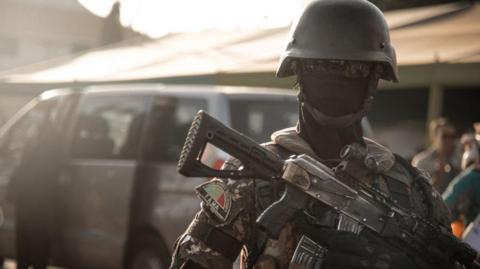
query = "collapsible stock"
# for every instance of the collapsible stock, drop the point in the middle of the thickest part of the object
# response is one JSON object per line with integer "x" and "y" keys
{"x": 257, "y": 162}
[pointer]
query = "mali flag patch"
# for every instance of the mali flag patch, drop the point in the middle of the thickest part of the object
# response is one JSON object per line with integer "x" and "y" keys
{"x": 215, "y": 196}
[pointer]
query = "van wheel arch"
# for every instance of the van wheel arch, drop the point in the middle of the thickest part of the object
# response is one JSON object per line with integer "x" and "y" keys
{"x": 147, "y": 246}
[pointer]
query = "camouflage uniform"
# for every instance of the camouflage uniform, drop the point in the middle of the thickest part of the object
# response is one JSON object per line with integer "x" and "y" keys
{"x": 241, "y": 201}
{"x": 338, "y": 63}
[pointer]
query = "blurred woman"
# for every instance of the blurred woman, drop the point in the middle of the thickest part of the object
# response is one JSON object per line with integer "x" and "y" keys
{"x": 441, "y": 160}
{"x": 463, "y": 193}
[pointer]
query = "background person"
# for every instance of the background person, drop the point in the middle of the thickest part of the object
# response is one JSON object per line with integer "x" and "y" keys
{"x": 463, "y": 194}
{"x": 33, "y": 190}
{"x": 441, "y": 160}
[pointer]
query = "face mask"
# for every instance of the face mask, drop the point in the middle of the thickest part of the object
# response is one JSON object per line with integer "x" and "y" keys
{"x": 334, "y": 95}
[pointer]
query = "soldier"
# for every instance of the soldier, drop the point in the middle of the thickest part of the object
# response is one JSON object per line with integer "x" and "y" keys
{"x": 338, "y": 50}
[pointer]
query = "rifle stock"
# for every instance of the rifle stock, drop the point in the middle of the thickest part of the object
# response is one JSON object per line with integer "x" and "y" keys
{"x": 257, "y": 162}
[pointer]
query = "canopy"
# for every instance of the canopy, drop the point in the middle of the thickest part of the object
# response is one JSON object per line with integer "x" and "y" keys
{"x": 444, "y": 35}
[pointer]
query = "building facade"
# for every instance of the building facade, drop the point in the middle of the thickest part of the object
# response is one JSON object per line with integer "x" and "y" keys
{"x": 38, "y": 30}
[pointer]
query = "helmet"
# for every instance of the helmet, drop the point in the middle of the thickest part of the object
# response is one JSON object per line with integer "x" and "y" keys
{"x": 352, "y": 30}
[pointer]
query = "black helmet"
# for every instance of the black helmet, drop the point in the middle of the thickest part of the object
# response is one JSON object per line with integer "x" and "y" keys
{"x": 352, "y": 30}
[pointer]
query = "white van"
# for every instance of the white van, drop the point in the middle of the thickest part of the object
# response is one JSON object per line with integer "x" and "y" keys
{"x": 121, "y": 203}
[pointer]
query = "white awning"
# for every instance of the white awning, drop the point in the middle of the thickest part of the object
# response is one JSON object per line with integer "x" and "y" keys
{"x": 447, "y": 33}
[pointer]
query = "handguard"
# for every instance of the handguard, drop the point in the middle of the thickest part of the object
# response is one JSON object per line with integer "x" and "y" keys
{"x": 319, "y": 181}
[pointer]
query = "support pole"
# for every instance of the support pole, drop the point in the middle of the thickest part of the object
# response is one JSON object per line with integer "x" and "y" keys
{"x": 435, "y": 104}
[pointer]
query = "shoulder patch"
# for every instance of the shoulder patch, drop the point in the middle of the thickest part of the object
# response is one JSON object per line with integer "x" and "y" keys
{"x": 216, "y": 197}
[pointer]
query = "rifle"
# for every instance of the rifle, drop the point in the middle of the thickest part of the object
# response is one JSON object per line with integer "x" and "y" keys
{"x": 307, "y": 178}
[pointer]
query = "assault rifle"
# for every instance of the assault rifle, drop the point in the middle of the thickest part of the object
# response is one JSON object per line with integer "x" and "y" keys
{"x": 306, "y": 178}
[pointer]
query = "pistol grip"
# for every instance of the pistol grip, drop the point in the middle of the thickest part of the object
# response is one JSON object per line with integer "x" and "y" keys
{"x": 278, "y": 214}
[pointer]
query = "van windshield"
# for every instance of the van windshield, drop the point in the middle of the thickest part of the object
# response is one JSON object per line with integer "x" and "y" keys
{"x": 259, "y": 118}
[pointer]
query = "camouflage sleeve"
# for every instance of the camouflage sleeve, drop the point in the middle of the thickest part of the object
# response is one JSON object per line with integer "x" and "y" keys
{"x": 439, "y": 209}
{"x": 425, "y": 199}
{"x": 228, "y": 208}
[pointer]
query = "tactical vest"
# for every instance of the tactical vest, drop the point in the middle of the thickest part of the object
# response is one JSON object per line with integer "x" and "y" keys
{"x": 406, "y": 185}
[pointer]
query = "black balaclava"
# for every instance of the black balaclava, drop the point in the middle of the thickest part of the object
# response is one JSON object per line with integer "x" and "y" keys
{"x": 333, "y": 98}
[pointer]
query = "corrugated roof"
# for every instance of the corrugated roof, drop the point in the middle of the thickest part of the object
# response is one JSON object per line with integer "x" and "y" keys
{"x": 452, "y": 37}
{"x": 447, "y": 33}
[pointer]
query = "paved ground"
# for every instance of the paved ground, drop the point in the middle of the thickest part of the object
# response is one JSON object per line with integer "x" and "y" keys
{"x": 10, "y": 264}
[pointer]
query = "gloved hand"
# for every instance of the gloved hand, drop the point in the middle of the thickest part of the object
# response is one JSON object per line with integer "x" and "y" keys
{"x": 350, "y": 251}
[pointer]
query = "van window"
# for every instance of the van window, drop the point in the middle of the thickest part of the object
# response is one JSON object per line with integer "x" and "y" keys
{"x": 258, "y": 119}
{"x": 25, "y": 130}
{"x": 109, "y": 127}
{"x": 168, "y": 126}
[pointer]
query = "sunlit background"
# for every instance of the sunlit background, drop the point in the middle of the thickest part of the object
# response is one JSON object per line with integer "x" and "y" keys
{"x": 157, "y": 18}
{"x": 52, "y": 43}
{"x": 205, "y": 45}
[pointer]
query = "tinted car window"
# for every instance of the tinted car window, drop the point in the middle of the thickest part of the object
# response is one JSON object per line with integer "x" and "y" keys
{"x": 169, "y": 123}
{"x": 26, "y": 129}
{"x": 109, "y": 127}
{"x": 258, "y": 119}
